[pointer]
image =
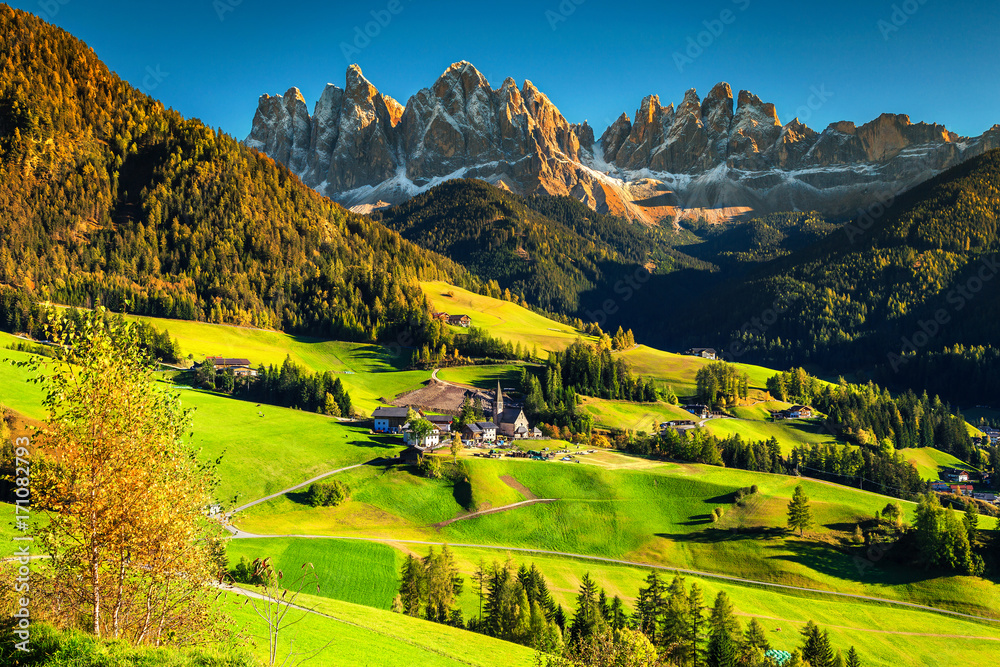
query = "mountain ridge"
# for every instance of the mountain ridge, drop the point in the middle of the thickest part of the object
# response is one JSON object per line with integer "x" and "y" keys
{"x": 717, "y": 157}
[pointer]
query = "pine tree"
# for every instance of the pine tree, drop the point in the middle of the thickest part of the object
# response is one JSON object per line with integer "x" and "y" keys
{"x": 756, "y": 637}
{"x": 853, "y": 660}
{"x": 799, "y": 512}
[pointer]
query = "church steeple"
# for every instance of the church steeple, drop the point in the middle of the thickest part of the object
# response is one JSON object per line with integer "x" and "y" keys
{"x": 498, "y": 405}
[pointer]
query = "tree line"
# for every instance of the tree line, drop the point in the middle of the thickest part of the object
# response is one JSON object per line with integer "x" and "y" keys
{"x": 671, "y": 623}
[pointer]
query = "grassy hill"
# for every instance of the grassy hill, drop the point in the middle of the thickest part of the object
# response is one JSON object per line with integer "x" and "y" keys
{"x": 369, "y": 372}
{"x": 930, "y": 461}
{"x": 352, "y": 635}
{"x": 885, "y": 636}
{"x": 654, "y": 513}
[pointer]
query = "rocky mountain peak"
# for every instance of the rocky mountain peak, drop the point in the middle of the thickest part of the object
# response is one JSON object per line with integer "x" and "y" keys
{"x": 361, "y": 146}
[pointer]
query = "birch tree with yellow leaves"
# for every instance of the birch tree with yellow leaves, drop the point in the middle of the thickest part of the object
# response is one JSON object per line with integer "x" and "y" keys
{"x": 128, "y": 535}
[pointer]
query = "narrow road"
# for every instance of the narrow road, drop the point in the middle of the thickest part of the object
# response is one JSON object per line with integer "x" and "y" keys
{"x": 295, "y": 488}
{"x": 616, "y": 561}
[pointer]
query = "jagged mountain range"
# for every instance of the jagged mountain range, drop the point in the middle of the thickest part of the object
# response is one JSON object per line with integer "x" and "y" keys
{"x": 717, "y": 157}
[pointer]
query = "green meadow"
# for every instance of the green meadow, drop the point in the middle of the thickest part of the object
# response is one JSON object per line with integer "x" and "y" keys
{"x": 884, "y": 635}
{"x": 645, "y": 417}
{"x": 342, "y": 634}
{"x": 261, "y": 455}
{"x": 680, "y": 371}
{"x": 656, "y": 514}
{"x": 505, "y": 320}
{"x": 371, "y": 373}
{"x": 930, "y": 461}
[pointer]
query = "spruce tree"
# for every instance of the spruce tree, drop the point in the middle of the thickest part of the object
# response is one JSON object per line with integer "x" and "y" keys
{"x": 799, "y": 512}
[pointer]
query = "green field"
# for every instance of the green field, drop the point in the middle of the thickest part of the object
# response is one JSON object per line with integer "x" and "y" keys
{"x": 370, "y": 373}
{"x": 505, "y": 320}
{"x": 484, "y": 377}
{"x": 645, "y": 417}
{"x": 263, "y": 455}
{"x": 649, "y": 513}
{"x": 15, "y": 390}
{"x": 930, "y": 461}
{"x": 350, "y": 635}
{"x": 679, "y": 371}
{"x": 359, "y": 572}
{"x": 789, "y": 433}
{"x": 884, "y": 635}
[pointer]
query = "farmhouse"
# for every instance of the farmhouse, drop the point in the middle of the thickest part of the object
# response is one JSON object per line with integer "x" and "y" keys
{"x": 239, "y": 367}
{"x": 460, "y": 321}
{"x": 429, "y": 441}
{"x": 389, "y": 420}
{"x": 443, "y": 422}
{"x": 441, "y": 317}
{"x": 679, "y": 424}
{"x": 800, "y": 412}
{"x": 703, "y": 352}
{"x": 480, "y": 432}
{"x": 700, "y": 411}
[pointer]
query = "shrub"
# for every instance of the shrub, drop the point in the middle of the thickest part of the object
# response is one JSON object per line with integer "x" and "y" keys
{"x": 260, "y": 572}
{"x": 717, "y": 513}
{"x": 430, "y": 467}
{"x": 328, "y": 494}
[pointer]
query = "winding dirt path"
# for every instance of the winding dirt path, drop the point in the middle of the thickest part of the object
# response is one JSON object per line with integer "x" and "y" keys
{"x": 494, "y": 510}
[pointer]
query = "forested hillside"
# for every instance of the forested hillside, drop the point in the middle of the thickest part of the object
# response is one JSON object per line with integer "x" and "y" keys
{"x": 107, "y": 197}
{"x": 910, "y": 292}
{"x": 547, "y": 250}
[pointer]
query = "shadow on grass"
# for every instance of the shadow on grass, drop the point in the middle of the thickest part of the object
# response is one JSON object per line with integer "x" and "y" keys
{"x": 854, "y": 564}
{"x": 716, "y": 535}
{"x": 698, "y": 520}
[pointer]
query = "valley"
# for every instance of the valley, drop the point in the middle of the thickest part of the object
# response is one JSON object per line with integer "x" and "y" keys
{"x": 464, "y": 381}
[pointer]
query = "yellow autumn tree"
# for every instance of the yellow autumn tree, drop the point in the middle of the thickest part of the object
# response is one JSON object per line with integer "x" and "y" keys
{"x": 127, "y": 535}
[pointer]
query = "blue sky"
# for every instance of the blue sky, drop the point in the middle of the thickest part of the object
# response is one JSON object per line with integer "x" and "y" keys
{"x": 212, "y": 59}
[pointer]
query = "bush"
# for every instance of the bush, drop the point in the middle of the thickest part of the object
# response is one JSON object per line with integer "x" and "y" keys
{"x": 256, "y": 573}
{"x": 328, "y": 494}
{"x": 430, "y": 467}
{"x": 718, "y": 513}
{"x": 50, "y": 646}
